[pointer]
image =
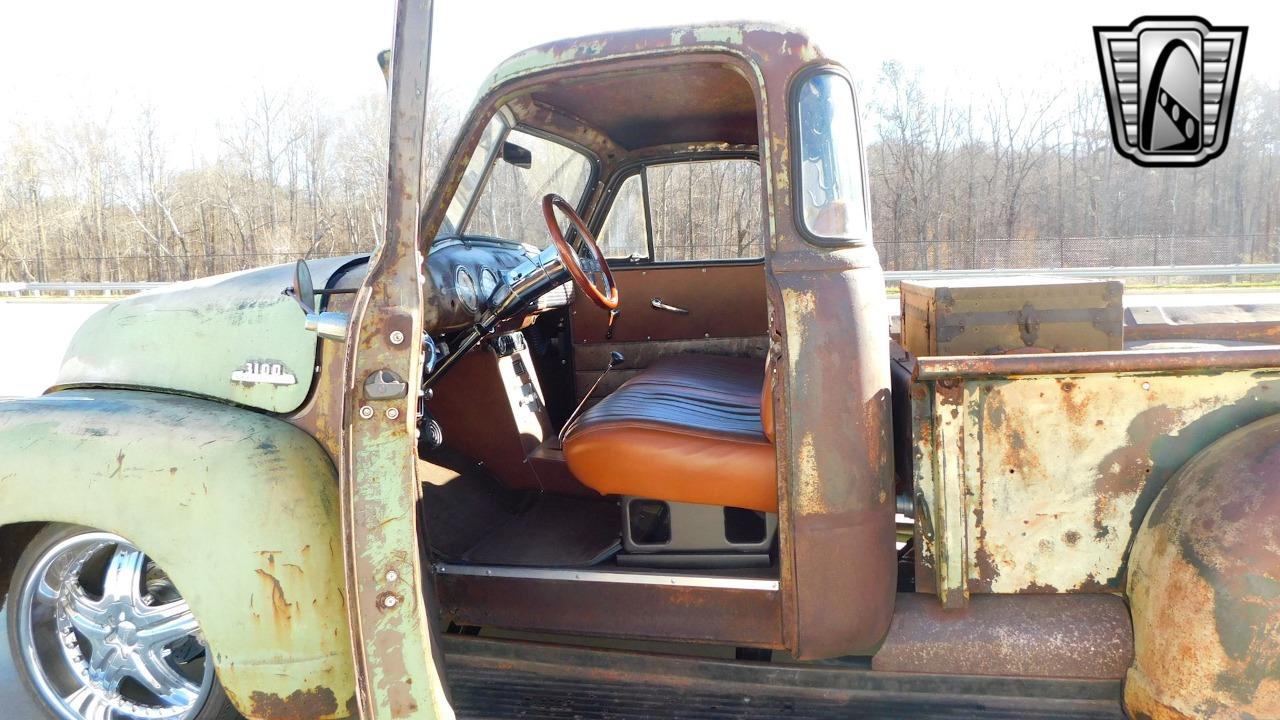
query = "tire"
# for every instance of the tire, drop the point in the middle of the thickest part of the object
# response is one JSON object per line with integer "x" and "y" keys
{"x": 96, "y": 627}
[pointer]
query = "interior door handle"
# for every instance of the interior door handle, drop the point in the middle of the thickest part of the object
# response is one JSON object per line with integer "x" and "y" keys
{"x": 657, "y": 304}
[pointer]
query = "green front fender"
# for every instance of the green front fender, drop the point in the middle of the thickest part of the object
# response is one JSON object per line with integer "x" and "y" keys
{"x": 241, "y": 509}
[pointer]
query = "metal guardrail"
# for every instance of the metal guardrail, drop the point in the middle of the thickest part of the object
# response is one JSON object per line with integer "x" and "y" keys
{"x": 45, "y": 289}
{"x": 1143, "y": 271}
{"x": 56, "y": 289}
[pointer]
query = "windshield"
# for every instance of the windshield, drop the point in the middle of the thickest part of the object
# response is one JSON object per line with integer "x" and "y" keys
{"x": 504, "y": 199}
{"x": 510, "y": 207}
{"x": 480, "y": 161}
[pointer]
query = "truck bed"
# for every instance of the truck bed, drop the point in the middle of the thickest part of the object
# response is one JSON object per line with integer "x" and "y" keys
{"x": 1031, "y": 473}
{"x": 508, "y": 679}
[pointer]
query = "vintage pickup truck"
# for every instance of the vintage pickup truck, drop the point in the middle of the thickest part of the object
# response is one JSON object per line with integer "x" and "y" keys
{"x": 611, "y": 424}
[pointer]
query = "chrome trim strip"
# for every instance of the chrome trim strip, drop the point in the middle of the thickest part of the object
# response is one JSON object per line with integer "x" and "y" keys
{"x": 608, "y": 576}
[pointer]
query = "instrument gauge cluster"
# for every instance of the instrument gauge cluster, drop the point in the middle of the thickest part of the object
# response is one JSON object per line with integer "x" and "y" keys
{"x": 465, "y": 286}
{"x": 488, "y": 283}
{"x": 467, "y": 272}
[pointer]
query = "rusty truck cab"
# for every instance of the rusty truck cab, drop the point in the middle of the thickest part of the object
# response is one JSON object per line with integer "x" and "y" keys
{"x": 728, "y": 480}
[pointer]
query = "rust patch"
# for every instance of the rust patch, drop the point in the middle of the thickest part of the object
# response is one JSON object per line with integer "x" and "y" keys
{"x": 281, "y": 610}
{"x": 1036, "y": 587}
{"x": 388, "y": 601}
{"x": 317, "y": 702}
{"x": 1075, "y": 405}
{"x": 1207, "y": 561}
{"x": 1126, "y": 470}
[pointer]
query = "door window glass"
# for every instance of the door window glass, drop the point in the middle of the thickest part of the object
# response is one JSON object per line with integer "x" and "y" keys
{"x": 698, "y": 211}
{"x": 624, "y": 234}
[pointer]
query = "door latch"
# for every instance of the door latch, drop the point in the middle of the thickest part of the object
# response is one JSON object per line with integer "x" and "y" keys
{"x": 385, "y": 385}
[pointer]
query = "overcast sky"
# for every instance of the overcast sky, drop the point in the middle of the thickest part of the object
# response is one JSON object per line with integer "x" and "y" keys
{"x": 196, "y": 62}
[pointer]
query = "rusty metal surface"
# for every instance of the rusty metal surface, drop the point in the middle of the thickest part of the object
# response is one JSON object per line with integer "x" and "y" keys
{"x": 399, "y": 673}
{"x": 200, "y": 487}
{"x": 835, "y": 450}
{"x": 697, "y": 614}
{"x": 539, "y": 680}
{"x": 1037, "y": 484}
{"x": 1065, "y": 636}
{"x": 690, "y": 102}
{"x": 1204, "y": 586}
{"x": 1158, "y": 361}
{"x": 1262, "y": 332}
{"x": 836, "y": 458}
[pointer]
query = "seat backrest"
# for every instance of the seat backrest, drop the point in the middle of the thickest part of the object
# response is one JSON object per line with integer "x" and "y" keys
{"x": 766, "y": 397}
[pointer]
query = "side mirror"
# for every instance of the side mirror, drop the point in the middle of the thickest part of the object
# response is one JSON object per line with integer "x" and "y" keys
{"x": 519, "y": 156}
{"x": 304, "y": 290}
{"x": 384, "y": 62}
{"x": 328, "y": 325}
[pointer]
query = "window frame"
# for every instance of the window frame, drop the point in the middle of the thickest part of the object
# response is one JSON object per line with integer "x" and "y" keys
{"x": 798, "y": 81}
{"x": 638, "y": 167}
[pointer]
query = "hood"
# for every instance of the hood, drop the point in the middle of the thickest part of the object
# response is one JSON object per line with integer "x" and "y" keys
{"x": 235, "y": 337}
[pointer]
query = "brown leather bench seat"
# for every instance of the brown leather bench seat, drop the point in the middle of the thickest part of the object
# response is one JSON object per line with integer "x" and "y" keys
{"x": 686, "y": 429}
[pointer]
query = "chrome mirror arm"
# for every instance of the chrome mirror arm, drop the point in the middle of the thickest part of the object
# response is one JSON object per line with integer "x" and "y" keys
{"x": 329, "y": 325}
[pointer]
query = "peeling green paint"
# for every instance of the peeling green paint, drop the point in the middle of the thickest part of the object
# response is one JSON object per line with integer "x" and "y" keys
{"x": 239, "y": 508}
{"x": 190, "y": 337}
{"x": 1056, "y": 472}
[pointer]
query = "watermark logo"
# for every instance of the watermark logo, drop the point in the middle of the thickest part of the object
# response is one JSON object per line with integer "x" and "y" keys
{"x": 1170, "y": 85}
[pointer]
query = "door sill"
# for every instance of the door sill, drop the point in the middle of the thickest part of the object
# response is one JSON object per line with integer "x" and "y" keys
{"x": 619, "y": 576}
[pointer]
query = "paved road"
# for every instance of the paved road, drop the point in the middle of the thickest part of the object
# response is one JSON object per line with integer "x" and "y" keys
{"x": 14, "y": 703}
{"x": 35, "y": 335}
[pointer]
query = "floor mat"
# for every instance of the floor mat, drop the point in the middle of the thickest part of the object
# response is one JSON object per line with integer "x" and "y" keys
{"x": 555, "y": 531}
{"x": 459, "y": 514}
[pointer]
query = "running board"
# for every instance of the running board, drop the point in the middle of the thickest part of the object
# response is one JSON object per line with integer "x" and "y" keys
{"x": 501, "y": 678}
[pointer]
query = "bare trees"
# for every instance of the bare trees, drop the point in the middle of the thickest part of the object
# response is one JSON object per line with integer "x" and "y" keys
{"x": 998, "y": 179}
{"x": 1031, "y": 179}
{"x": 116, "y": 200}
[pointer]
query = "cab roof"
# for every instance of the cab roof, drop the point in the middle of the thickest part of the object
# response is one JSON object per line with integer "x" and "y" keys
{"x": 668, "y": 102}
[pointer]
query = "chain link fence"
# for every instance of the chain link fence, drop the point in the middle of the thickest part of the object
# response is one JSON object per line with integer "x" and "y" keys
{"x": 922, "y": 256}
{"x": 55, "y": 267}
{"x": 1077, "y": 252}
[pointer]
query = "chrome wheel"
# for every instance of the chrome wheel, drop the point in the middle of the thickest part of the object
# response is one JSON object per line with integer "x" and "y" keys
{"x": 104, "y": 634}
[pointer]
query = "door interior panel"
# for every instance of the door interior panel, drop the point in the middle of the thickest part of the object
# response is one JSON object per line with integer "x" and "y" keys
{"x": 727, "y": 315}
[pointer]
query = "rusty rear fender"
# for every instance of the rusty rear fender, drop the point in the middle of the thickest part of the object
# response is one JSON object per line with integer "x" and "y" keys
{"x": 1204, "y": 585}
{"x": 241, "y": 509}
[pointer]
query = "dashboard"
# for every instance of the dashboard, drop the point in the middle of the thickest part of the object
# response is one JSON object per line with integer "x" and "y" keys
{"x": 467, "y": 270}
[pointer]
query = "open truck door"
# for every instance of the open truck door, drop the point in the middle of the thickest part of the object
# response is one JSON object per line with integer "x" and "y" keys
{"x": 399, "y": 670}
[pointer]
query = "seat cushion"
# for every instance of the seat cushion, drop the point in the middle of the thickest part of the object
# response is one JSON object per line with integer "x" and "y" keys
{"x": 687, "y": 429}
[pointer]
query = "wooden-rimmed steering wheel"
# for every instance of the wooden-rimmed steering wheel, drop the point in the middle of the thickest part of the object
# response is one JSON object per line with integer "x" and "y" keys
{"x": 586, "y": 264}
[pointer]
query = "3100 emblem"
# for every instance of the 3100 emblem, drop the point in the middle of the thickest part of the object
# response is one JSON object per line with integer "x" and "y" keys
{"x": 266, "y": 371}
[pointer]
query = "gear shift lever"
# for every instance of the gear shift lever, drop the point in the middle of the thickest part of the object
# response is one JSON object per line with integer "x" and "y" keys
{"x": 615, "y": 359}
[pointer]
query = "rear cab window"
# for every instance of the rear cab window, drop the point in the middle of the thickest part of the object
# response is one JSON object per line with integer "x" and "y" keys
{"x": 831, "y": 197}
